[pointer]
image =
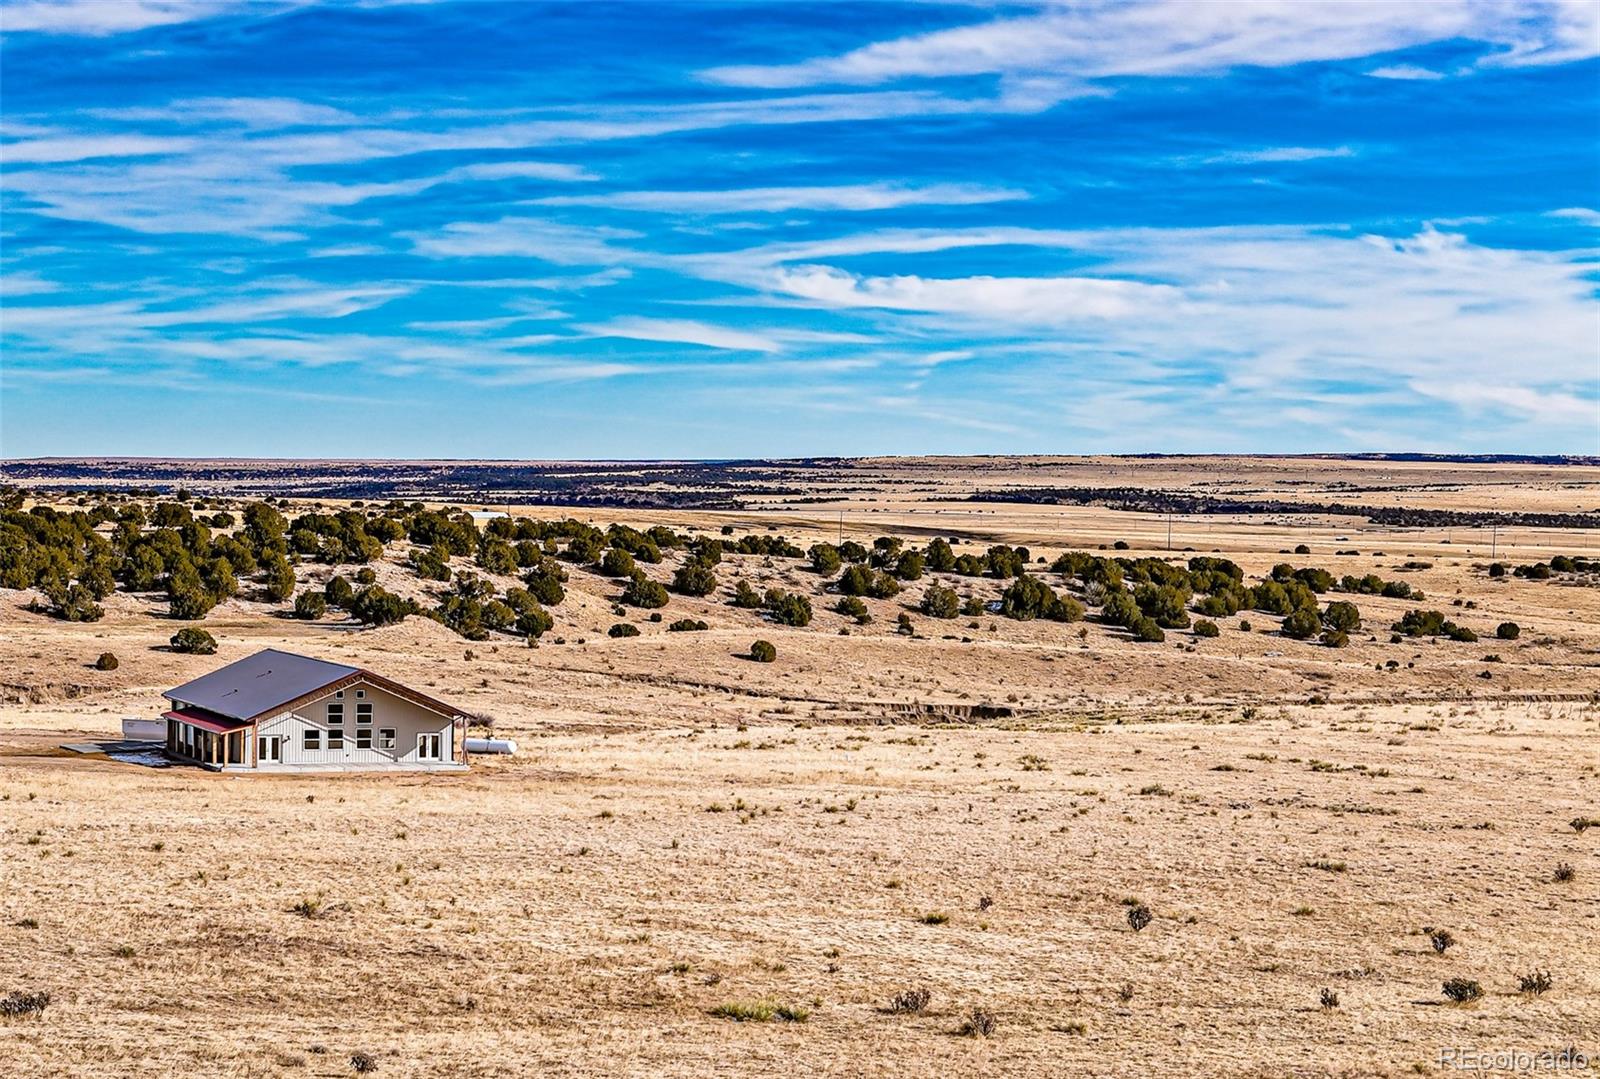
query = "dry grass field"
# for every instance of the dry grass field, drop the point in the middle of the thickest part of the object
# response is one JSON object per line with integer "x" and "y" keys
{"x": 973, "y": 809}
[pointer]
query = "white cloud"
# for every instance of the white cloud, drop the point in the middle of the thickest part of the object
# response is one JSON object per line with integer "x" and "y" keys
{"x": 521, "y": 170}
{"x": 685, "y": 331}
{"x": 1034, "y": 301}
{"x": 1190, "y": 37}
{"x": 1256, "y": 313}
{"x": 99, "y": 17}
{"x": 24, "y": 283}
{"x": 1410, "y": 72}
{"x": 1275, "y": 154}
{"x": 774, "y": 199}
{"x": 253, "y": 112}
{"x": 1543, "y": 406}
{"x": 233, "y": 193}
{"x": 525, "y": 237}
{"x": 53, "y": 150}
{"x": 1581, "y": 214}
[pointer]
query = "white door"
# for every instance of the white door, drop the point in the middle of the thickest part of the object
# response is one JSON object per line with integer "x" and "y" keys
{"x": 427, "y": 747}
{"x": 269, "y": 750}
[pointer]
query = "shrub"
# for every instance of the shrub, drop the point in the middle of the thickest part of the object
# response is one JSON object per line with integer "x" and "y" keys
{"x": 623, "y": 629}
{"x": 1342, "y": 615}
{"x": 746, "y": 597}
{"x": 1203, "y": 628}
{"x": 1462, "y": 990}
{"x": 617, "y": 563}
{"x": 1139, "y": 916}
{"x": 1442, "y": 939}
{"x": 643, "y": 592}
{"x": 1301, "y": 624}
{"x": 338, "y": 592}
{"x": 1535, "y": 982}
{"x": 310, "y": 605}
{"x": 362, "y": 1063}
{"x": 852, "y": 607}
{"x": 911, "y": 1000}
{"x": 910, "y": 565}
{"x": 746, "y": 1011}
{"x": 788, "y": 608}
{"x": 694, "y": 578}
{"x": 1145, "y": 629}
{"x": 194, "y": 641}
{"x": 376, "y": 606}
{"x": 687, "y": 625}
{"x": 825, "y": 559}
{"x": 979, "y": 1024}
{"x": 763, "y": 651}
{"x": 939, "y": 602}
{"x": 859, "y": 580}
{"x": 544, "y": 580}
{"x": 18, "y": 1002}
{"x": 1508, "y": 631}
{"x": 106, "y": 662}
{"x": 1328, "y": 999}
{"x": 1564, "y": 873}
{"x": 534, "y": 621}
{"x": 1335, "y": 638}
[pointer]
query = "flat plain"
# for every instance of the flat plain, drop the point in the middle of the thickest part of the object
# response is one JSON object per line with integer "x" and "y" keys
{"x": 972, "y": 808}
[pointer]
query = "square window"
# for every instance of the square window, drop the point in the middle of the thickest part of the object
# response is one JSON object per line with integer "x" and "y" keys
{"x": 313, "y": 739}
{"x": 360, "y": 693}
{"x": 385, "y": 737}
{"x": 335, "y": 737}
{"x": 338, "y": 695}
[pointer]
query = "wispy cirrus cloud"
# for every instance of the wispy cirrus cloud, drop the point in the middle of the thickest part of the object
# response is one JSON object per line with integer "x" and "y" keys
{"x": 1279, "y": 155}
{"x": 685, "y": 332}
{"x": 853, "y": 197}
{"x": 1406, "y": 73}
{"x": 98, "y": 17}
{"x": 1194, "y": 37}
{"x": 60, "y": 148}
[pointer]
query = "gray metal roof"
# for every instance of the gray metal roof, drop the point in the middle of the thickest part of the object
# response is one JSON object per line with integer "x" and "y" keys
{"x": 259, "y": 683}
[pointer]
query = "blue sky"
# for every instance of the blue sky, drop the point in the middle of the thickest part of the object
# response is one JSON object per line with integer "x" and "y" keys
{"x": 468, "y": 229}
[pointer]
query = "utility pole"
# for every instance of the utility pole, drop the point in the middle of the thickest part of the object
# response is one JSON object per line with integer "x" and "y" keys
{"x": 1169, "y": 530}
{"x": 1494, "y": 541}
{"x": 841, "y": 528}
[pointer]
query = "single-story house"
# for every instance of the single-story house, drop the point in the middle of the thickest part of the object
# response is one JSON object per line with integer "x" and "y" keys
{"x": 281, "y": 712}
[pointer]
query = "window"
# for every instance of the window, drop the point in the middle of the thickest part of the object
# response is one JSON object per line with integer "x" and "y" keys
{"x": 313, "y": 739}
{"x": 385, "y": 737}
{"x": 338, "y": 695}
{"x": 335, "y": 737}
{"x": 360, "y": 693}
{"x": 364, "y": 712}
{"x": 364, "y": 738}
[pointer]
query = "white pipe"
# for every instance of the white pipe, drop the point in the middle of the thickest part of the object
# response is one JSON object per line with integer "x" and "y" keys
{"x": 491, "y": 745}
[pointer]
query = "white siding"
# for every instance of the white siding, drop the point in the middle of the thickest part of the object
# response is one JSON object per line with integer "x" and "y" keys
{"x": 389, "y": 712}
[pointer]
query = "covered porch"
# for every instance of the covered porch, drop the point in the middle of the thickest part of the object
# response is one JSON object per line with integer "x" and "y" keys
{"x": 210, "y": 740}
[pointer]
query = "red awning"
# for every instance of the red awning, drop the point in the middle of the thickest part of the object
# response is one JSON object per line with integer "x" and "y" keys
{"x": 206, "y": 722}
